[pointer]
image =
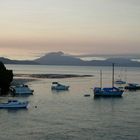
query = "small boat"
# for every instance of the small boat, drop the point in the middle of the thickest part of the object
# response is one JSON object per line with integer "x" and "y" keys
{"x": 132, "y": 86}
{"x": 108, "y": 91}
{"x": 21, "y": 90}
{"x": 14, "y": 104}
{"x": 120, "y": 82}
{"x": 58, "y": 86}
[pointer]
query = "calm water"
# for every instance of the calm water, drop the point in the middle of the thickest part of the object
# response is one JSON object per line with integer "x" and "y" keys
{"x": 69, "y": 115}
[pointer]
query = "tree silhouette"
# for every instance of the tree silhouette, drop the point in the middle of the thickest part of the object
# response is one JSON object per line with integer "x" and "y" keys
{"x": 6, "y": 77}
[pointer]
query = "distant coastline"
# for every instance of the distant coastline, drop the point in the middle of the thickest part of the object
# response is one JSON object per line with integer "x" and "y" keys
{"x": 59, "y": 58}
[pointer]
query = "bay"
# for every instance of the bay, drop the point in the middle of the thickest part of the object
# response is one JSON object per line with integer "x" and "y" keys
{"x": 68, "y": 115}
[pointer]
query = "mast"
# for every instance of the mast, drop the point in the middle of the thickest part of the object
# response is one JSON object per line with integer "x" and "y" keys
{"x": 125, "y": 75}
{"x": 100, "y": 78}
{"x": 112, "y": 75}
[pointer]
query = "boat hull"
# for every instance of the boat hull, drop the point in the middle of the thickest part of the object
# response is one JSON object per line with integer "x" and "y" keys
{"x": 12, "y": 107}
{"x": 23, "y": 93}
{"x": 60, "y": 88}
{"x": 120, "y": 82}
{"x": 132, "y": 88}
{"x": 108, "y": 94}
{"x": 21, "y": 90}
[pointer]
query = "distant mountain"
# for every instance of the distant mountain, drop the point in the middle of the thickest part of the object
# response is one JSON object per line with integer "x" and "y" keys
{"x": 9, "y": 61}
{"x": 59, "y": 58}
{"x": 130, "y": 56}
{"x": 126, "y": 62}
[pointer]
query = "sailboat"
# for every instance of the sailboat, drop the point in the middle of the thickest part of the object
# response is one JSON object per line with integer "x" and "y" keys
{"x": 120, "y": 81}
{"x": 108, "y": 91}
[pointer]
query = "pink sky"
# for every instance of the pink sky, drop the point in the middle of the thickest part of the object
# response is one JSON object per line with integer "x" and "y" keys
{"x": 32, "y": 28}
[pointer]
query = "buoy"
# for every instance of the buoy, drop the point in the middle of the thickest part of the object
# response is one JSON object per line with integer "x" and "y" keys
{"x": 87, "y": 95}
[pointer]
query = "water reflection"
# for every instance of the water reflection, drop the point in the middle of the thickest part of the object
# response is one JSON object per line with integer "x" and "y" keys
{"x": 14, "y": 110}
{"x": 107, "y": 98}
{"x": 59, "y": 91}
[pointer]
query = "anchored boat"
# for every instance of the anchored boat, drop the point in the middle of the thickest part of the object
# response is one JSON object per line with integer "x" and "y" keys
{"x": 21, "y": 90}
{"x": 58, "y": 86}
{"x": 108, "y": 91}
{"x": 14, "y": 104}
{"x": 132, "y": 86}
{"x": 120, "y": 82}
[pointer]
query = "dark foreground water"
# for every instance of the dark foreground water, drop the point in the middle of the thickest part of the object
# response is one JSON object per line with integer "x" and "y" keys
{"x": 71, "y": 116}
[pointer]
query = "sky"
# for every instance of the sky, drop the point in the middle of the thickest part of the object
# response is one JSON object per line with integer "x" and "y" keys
{"x": 32, "y": 28}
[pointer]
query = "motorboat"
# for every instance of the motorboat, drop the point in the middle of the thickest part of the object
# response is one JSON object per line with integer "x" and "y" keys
{"x": 58, "y": 86}
{"x": 14, "y": 104}
{"x": 132, "y": 86}
{"x": 21, "y": 90}
{"x": 120, "y": 82}
{"x": 107, "y": 91}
